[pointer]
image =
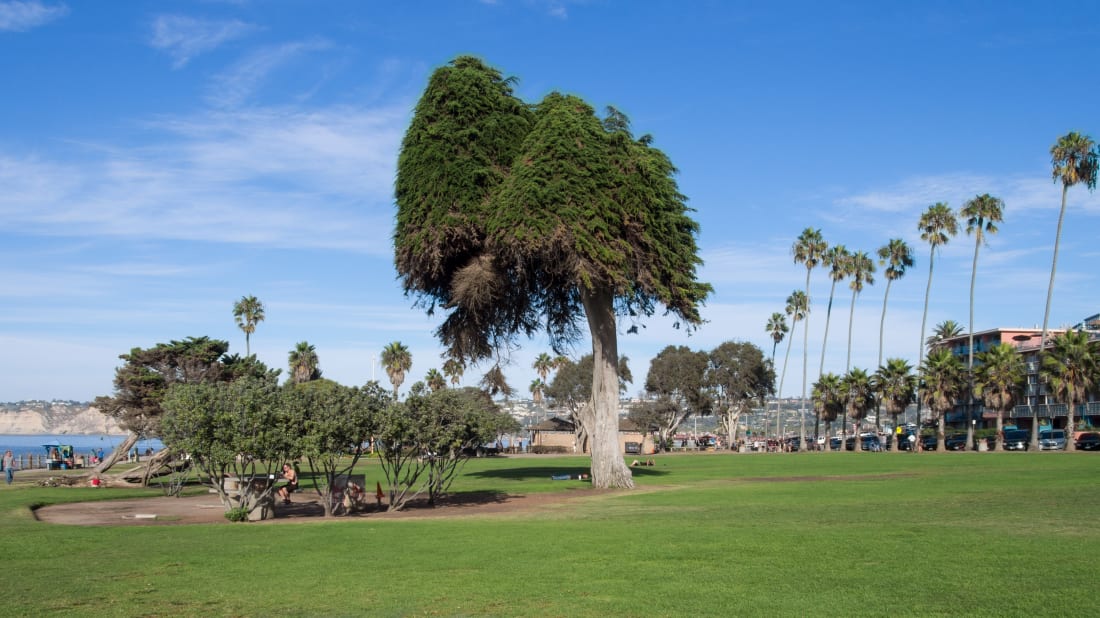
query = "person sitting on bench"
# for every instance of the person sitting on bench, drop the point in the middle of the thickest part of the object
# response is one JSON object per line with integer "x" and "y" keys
{"x": 291, "y": 476}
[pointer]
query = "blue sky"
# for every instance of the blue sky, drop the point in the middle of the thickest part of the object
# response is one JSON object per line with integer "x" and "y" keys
{"x": 158, "y": 160}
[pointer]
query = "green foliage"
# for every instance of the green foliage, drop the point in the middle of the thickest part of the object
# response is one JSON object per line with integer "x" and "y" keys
{"x": 335, "y": 421}
{"x": 231, "y": 429}
{"x": 506, "y": 212}
{"x": 426, "y": 438}
{"x": 238, "y": 514}
{"x": 141, "y": 383}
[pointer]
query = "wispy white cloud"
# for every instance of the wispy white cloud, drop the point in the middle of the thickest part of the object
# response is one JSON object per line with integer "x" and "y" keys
{"x": 272, "y": 177}
{"x": 185, "y": 37}
{"x": 1020, "y": 193}
{"x": 234, "y": 86}
{"x": 22, "y": 16}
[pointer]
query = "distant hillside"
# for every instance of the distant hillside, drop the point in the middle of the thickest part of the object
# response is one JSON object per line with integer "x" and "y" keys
{"x": 54, "y": 417}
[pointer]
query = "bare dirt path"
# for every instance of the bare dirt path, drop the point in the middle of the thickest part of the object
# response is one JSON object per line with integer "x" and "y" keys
{"x": 207, "y": 509}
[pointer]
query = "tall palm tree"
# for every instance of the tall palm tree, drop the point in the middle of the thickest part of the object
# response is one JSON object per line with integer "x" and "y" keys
{"x": 982, "y": 215}
{"x": 808, "y": 250}
{"x": 1071, "y": 369}
{"x": 828, "y": 396}
{"x": 862, "y": 273}
{"x": 896, "y": 385}
{"x": 397, "y": 360}
{"x": 453, "y": 369}
{"x": 435, "y": 380}
{"x": 248, "y": 312}
{"x": 303, "y": 363}
{"x": 838, "y": 259}
{"x": 543, "y": 365}
{"x": 777, "y": 329}
{"x": 897, "y": 257}
{"x": 943, "y": 379}
{"x": 998, "y": 381}
{"x": 796, "y": 310}
{"x": 1074, "y": 162}
{"x": 945, "y": 330}
{"x": 860, "y": 397}
{"x": 937, "y": 226}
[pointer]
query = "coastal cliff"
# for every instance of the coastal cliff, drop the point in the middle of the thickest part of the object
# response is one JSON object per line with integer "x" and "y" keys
{"x": 54, "y": 417}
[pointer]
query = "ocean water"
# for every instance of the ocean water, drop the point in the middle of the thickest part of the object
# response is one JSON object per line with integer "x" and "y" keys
{"x": 82, "y": 444}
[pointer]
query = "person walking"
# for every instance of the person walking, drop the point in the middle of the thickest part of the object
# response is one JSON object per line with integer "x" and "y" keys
{"x": 9, "y": 466}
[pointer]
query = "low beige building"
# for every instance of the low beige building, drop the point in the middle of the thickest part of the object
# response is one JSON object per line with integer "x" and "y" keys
{"x": 559, "y": 433}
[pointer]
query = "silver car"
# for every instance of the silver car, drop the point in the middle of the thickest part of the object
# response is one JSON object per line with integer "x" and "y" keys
{"x": 1054, "y": 440}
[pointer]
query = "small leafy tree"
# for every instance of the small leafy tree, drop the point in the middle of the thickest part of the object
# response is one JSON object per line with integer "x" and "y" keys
{"x": 677, "y": 378}
{"x": 232, "y": 430}
{"x": 426, "y": 438}
{"x": 335, "y": 422}
{"x": 740, "y": 378}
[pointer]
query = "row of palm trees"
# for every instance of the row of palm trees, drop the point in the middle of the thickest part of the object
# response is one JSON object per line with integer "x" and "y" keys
{"x": 1074, "y": 161}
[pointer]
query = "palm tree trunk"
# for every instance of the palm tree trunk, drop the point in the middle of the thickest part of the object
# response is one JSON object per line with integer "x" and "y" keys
{"x": 805, "y": 363}
{"x": 923, "y": 324}
{"x": 608, "y": 468}
{"x": 779, "y": 394}
{"x": 970, "y": 351}
{"x": 881, "y": 330}
{"x": 1053, "y": 268}
{"x": 851, "y": 315}
{"x": 824, "y": 344}
{"x": 1046, "y": 317}
{"x": 1000, "y": 443}
{"x": 941, "y": 445}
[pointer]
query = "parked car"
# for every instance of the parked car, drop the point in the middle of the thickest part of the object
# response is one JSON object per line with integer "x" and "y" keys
{"x": 1088, "y": 441}
{"x": 928, "y": 443}
{"x": 1017, "y": 440}
{"x": 870, "y": 443}
{"x": 955, "y": 442}
{"x": 1052, "y": 440}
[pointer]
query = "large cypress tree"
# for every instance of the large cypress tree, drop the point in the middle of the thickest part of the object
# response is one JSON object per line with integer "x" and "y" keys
{"x": 515, "y": 219}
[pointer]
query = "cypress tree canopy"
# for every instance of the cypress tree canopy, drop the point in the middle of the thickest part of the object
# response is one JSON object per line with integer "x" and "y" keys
{"x": 506, "y": 212}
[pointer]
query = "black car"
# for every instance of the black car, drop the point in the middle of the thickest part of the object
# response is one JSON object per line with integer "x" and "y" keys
{"x": 1088, "y": 441}
{"x": 1017, "y": 440}
{"x": 956, "y": 442}
{"x": 928, "y": 443}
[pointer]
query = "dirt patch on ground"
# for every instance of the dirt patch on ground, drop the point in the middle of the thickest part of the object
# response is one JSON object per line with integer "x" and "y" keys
{"x": 207, "y": 509}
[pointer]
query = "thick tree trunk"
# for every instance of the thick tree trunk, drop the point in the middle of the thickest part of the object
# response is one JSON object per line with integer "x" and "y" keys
{"x": 608, "y": 468}
{"x": 120, "y": 451}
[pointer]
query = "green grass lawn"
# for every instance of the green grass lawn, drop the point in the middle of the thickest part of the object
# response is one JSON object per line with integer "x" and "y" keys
{"x": 834, "y": 534}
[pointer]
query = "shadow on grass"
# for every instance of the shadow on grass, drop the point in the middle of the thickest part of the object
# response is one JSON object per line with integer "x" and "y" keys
{"x": 309, "y": 505}
{"x": 546, "y": 472}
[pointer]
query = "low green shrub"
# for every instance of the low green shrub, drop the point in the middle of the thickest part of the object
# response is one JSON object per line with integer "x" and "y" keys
{"x": 237, "y": 513}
